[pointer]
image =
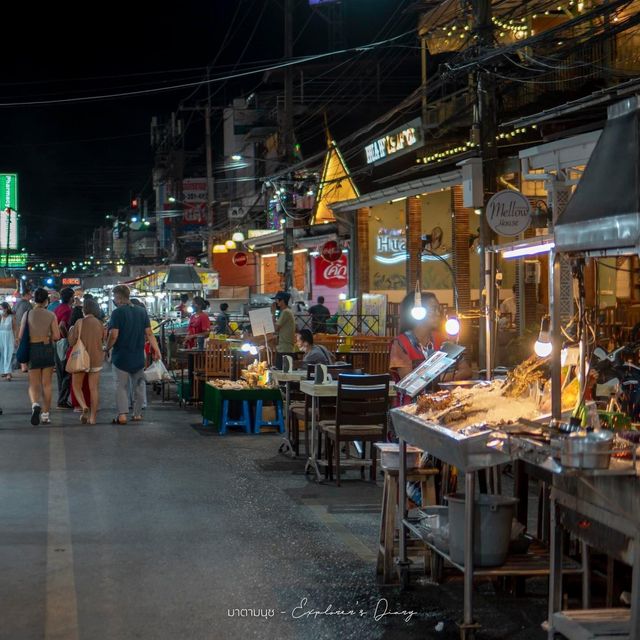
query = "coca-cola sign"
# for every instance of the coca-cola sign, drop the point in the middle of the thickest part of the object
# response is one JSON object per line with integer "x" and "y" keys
{"x": 331, "y": 251}
{"x": 331, "y": 274}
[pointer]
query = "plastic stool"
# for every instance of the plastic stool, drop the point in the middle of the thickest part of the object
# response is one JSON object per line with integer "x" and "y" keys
{"x": 244, "y": 422}
{"x": 278, "y": 422}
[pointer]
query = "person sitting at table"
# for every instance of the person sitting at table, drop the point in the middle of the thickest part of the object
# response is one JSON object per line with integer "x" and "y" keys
{"x": 313, "y": 353}
{"x": 199, "y": 324}
{"x": 419, "y": 339}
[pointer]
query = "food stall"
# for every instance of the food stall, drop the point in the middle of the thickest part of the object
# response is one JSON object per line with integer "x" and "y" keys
{"x": 587, "y": 447}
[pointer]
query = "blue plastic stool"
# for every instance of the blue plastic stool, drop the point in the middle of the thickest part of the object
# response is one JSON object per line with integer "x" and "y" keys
{"x": 278, "y": 422}
{"x": 244, "y": 422}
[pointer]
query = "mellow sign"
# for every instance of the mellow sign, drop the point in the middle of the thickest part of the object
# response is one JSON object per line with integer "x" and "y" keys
{"x": 508, "y": 213}
{"x": 395, "y": 143}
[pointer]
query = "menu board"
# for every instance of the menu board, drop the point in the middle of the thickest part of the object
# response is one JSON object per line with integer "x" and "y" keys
{"x": 261, "y": 321}
{"x": 430, "y": 369}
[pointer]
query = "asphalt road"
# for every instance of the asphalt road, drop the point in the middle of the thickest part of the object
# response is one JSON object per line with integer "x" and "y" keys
{"x": 160, "y": 531}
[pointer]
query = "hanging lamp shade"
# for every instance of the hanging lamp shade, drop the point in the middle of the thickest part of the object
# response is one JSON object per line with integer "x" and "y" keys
{"x": 219, "y": 248}
{"x": 230, "y": 244}
{"x": 238, "y": 236}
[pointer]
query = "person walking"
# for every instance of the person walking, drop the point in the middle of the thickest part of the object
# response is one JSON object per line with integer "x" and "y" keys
{"x": 285, "y": 327}
{"x": 54, "y": 296}
{"x": 22, "y": 306}
{"x": 128, "y": 328}
{"x": 91, "y": 331}
{"x": 319, "y": 316}
{"x": 8, "y": 339}
{"x": 63, "y": 315}
{"x": 43, "y": 332}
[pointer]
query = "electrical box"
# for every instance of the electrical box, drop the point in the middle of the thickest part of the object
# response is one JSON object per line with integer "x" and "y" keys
{"x": 531, "y": 272}
{"x": 472, "y": 187}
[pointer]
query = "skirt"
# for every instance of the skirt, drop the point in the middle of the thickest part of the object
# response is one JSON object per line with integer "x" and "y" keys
{"x": 40, "y": 355}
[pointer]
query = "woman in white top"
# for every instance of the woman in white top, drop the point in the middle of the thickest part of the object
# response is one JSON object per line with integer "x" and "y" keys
{"x": 8, "y": 339}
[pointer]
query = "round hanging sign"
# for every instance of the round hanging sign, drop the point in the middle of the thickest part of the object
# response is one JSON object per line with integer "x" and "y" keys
{"x": 331, "y": 251}
{"x": 240, "y": 259}
{"x": 508, "y": 213}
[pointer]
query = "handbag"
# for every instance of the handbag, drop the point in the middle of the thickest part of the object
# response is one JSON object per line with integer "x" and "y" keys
{"x": 23, "y": 352}
{"x": 79, "y": 360}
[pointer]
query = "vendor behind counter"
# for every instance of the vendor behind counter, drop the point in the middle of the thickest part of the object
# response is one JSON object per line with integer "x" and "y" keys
{"x": 420, "y": 339}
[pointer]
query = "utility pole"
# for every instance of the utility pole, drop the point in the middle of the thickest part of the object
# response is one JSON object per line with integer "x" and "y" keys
{"x": 484, "y": 135}
{"x": 207, "y": 127}
{"x": 287, "y": 136}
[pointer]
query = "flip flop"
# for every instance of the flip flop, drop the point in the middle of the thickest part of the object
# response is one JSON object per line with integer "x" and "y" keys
{"x": 117, "y": 420}
{"x": 136, "y": 419}
{"x": 84, "y": 418}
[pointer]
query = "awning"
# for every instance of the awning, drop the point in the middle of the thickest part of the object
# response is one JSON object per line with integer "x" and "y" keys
{"x": 403, "y": 190}
{"x": 604, "y": 212}
{"x": 182, "y": 277}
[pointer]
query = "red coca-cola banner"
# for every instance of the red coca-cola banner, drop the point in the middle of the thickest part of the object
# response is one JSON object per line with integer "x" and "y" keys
{"x": 331, "y": 274}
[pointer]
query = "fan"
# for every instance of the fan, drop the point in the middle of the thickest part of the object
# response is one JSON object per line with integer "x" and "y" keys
{"x": 436, "y": 238}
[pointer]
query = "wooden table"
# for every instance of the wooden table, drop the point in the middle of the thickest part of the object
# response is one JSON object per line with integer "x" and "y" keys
{"x": 357, "y": 359}
{"x": 326, "y": 390}
{"x": 280, "y": 377}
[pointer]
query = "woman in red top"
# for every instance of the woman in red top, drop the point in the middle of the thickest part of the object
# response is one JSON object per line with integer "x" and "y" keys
{"x": 418, "y": 339}
{"x": 199, "y": 324}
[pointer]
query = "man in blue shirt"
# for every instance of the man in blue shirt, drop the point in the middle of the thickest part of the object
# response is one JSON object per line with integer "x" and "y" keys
{"x": 129, "y": 327}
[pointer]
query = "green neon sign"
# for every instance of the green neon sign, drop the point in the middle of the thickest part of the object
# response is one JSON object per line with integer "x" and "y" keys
{"x": 9, "y": 191}
{"x": 16, "y": 260}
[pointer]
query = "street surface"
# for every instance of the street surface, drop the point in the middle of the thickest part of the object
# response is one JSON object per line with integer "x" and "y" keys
{"x": 159, "y": 531}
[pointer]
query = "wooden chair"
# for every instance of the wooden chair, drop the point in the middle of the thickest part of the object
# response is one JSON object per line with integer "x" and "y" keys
{"x": 215, "y": 362}
{"x": 301, "y": 411}
{"x": 361, "y": 416}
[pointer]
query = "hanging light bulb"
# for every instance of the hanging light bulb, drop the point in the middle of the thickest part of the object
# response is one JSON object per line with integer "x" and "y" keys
{"x": 246, "y": 347}
{"x": 418, "y": 312}
{"x": 230, "y": 244}
{"x": 452, "y": 326}
{"x": 543, "y": 346}
{"x": 238, "y": 236}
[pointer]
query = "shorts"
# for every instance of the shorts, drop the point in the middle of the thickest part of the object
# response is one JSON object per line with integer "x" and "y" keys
{"x": 41, "y": 355}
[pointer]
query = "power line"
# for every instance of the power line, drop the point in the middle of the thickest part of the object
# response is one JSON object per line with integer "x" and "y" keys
{"x": 129, "y": 94}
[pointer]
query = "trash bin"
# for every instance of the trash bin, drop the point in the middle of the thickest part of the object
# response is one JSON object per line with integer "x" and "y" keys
{"x": 492, "y": 529}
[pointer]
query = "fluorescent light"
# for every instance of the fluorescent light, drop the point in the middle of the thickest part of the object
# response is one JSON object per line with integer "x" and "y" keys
{"x": 269, "y": 255}
{"x": 236, "y": 157}
{"x": 300, "y": 250}
{"x": 534, "y": 250}
{"x": 399, "y": 199}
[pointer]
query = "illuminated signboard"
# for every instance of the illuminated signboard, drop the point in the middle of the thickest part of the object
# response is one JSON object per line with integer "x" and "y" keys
{"x": 71, "y": 282}
{"x": 8, "y": 201}
{"x": 395, "y": 143}
{"x": 16, "y": 260}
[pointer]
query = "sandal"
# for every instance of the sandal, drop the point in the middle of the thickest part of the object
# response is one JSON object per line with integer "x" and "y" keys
{"x": 119, "y": 420}
{"x": 136, "y": 419}
{"x": 84, "y": 418}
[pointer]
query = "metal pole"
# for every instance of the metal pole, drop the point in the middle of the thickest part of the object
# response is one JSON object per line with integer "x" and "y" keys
{"x": 287, "y": 135}
{"x": 556, "y": 337}
{"x": 423, "y": 61}
{"x": 555, "y": 567}
{"x": 6, "y": 261}
{"x": 469, "y": 498}
{"x": 489, "y": 309}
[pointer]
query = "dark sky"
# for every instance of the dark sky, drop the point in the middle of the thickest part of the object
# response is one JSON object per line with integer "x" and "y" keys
{"x": 78, "y": 162}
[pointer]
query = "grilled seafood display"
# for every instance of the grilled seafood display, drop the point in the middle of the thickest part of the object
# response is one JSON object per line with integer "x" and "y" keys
{"x": 525, "y": 374}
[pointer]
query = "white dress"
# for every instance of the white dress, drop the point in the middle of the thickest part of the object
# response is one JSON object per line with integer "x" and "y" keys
{"x": 7, "y": 344}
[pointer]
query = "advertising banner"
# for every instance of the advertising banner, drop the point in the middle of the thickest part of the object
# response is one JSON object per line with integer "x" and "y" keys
{"x": 331, "y": 274}
{"x": 374, "y": 314}
{"x": 194, "y": 192}
{"x": 347, "y": 312}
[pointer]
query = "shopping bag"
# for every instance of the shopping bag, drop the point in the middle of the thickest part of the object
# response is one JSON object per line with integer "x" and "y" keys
{"x": 23, "y": 352}
{"x": 79, "y": 360}
{"x": 61, "y": 348}
{"x": 156, "y": 372}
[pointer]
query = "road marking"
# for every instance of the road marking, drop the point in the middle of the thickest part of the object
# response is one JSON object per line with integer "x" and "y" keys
{"x": 62, "y": 608}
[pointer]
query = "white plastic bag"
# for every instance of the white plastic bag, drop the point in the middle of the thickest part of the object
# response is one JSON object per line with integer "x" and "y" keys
{"x": 156, "y": 372}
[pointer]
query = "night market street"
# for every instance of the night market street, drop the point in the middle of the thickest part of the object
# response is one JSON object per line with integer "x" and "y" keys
{"x": 158, "y": 531}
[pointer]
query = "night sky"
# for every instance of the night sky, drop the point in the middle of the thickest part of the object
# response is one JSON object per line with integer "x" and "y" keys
{"x": 79, "y": 162}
